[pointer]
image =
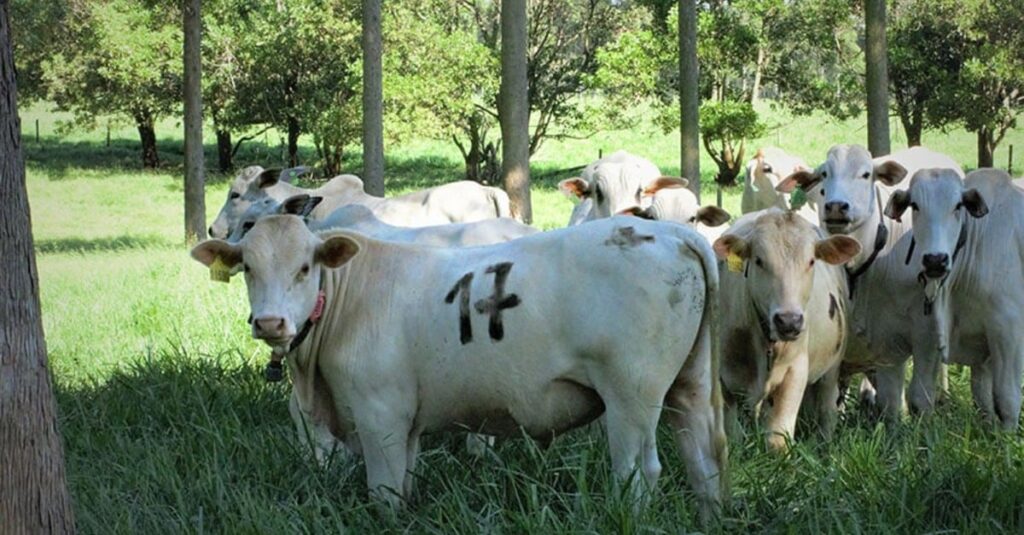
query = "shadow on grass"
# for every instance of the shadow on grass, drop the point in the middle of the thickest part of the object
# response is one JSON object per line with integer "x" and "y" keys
{"x": 110, "y": 244}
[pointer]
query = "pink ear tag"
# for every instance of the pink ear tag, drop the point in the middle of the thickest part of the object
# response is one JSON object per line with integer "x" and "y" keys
{"x": 318, "y": 308}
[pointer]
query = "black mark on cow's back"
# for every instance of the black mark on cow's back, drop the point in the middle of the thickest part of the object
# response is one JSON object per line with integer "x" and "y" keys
{"x": 625, "y": 237}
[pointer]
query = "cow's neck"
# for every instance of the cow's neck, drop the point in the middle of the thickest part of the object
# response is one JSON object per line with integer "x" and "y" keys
{"x": 874, "y": 232}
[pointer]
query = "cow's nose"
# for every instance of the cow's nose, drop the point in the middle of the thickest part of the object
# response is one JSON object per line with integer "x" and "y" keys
{"x": 935, "y": 264}
{"x": 837, "y": 210}
{"x": 269, "y": 327}
{"x": 788, "y": 325}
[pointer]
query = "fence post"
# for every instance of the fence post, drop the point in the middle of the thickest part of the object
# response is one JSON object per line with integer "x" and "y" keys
{"x": 600, "y": 153}
{"x": 37, "y": 131}
{"x": 1009, "y": 165}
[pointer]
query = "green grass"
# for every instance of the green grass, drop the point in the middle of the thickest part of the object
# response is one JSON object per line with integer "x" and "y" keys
{"x": 169, "y": 427}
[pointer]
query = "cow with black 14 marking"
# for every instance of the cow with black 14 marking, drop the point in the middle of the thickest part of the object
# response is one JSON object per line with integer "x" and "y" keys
{"x": 521, "y": 335}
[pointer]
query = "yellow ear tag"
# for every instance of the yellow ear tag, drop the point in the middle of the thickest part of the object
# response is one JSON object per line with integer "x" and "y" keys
{"x": 735, "y": 262}
{"x": 219, "y": 271}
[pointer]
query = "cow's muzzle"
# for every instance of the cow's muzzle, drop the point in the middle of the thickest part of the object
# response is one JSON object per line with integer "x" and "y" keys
{"x": 936, "y": 265}
{"x": 788, "y": 325}
{"x": 274, "y": 330}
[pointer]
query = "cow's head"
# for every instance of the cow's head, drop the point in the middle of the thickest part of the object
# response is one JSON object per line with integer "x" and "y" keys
{"x": 940, "y": 203}
{"x": 768, "y": 168}
{"x": 283, "y": 262}
{"x": 673, "y": 202}
{"x": 779, "y": 251}
{"x": 610, "y": 187}
{"x": 248, "y": 188}
{"x": 301, "y": 205}
{"x": 846, "y": 182}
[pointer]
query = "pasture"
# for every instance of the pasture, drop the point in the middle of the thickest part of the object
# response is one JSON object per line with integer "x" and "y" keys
{"x": 169, "y": 426}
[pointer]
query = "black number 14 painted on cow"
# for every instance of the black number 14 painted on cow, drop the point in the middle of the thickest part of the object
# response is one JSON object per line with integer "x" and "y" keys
{"x": 492, "y": 305}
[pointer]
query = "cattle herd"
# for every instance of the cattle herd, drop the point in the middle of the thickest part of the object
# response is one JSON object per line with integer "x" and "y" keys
{"x": 436, "y": 311}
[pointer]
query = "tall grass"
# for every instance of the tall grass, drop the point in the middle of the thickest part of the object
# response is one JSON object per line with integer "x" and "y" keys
{"x": 169, "y": 427}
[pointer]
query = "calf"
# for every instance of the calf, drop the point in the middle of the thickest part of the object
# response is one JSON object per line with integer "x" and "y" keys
{"x": 784, "y": 317}
{"x": 410, "y": 339}
{"x": 969, "y": 252}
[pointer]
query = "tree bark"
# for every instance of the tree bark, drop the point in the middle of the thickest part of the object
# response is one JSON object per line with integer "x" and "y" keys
{"x": 877, "y": 71}
{"x": 195, "y": 199}
{"x": 373, "y": 100}
{"x": 293, "y": 141}
{"x": 689, "y": 98}
{"x": 913, "y": 125}
{"x": 225, "y": 154}
{"x": 147, "y": 135}
{"x": 986, "y": 148}
{"x": 33, "y": 488}
{"x": 755, "y": 90}
{"x": 514, "y": 109}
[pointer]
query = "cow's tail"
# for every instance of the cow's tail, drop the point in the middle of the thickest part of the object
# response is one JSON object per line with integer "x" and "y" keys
{"x": 502, "y": 206}
{"x": 709, "y": 333}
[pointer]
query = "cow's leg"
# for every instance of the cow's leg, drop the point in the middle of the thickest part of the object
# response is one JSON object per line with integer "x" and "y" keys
{"x": 694, "y": 415}
{"x": 385, "y": 443}
{"x": 314, "y": 436}
{"x": 631, "y": 424}
{"x": 1007, "y": 354}
{"x": 786, "y": 400}
{"x": 925, "y": 383}
{"x": 982, "y": 389}
{"x": 943, "y": 393}
{"x": 826, "y": 402}
{"x": 889, "y": 390}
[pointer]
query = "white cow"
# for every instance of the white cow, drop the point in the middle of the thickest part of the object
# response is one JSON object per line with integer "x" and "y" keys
{"x": 361, "y": 219}
{"x": 784, "y": 317}
{"x": 239, "y": 200}
{"x": 457, "y": 202}
{"x": 671, "y": 201}
{"x": 765, "y": 171}
{"x": 854, "y": 189}
{"x": 313, "y": 429}
{"x": 609, "y": 186}
{"x": 969, "y": 250}
{"x": 522, "y": 335}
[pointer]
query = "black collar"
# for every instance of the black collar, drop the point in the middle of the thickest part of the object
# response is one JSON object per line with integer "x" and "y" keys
{"x": 881, "y": 237}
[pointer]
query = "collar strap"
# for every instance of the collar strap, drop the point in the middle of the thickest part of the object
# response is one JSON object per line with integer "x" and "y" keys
{"x": 274, "y": 371}
{"x": 881, "y": 237}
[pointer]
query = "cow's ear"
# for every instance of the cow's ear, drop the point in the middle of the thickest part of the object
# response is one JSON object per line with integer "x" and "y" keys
{"x": 713, "y": 216}
{"x": 250, "y": 173}
{"x": 336, "y": 251}
{"x": 837, "y": 250}
{"x": 575, "y": 187}
{"x": 805, "y": 178}
{"x": 642, "y": 213}
{"x": 301, "y": 205}
{"x": 290, "y": 174}
{"x": 898, "y": 203}
{"x": 268, "y": 178}
{"x": 209, "y": 251}
{"x": 974, "y": 203}
{"x": 665, "y": 182}
{"x": 890, "y": 173}
{"x": 729, "y": 245}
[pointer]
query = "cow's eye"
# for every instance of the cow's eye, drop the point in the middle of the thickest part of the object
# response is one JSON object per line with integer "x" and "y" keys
{"x": 639, "y": 193}
{"x": 913, "y": 206}
{"x": 245, "y": 267}
{"x": 824, "y": 174}
{"x": 811, "y": 263}
{"x": 234, "y": 195}
{"x": 958, "y": 206}
{"x": 304, "y": 270}
{"x": 692, "y": 219}
{"x": 867, "y": 174}
{"x": 766, "y": 169}
{"x": 599, "y": 194}
{"x": 757, "y": 260}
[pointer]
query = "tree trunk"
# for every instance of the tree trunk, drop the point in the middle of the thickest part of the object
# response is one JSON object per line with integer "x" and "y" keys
{"x": 689, "y": 98}
{"x": 373, "y": 100}
{"x": 913, "y": 125}
{"x": 144, "y": 123}
{"x": 877, "y": 71}
{"x": 33, "y": 489}
{"x": 514, "y": 109}
{"x": 225, "y": 157}
{"x": 195, "y": 199}
{"x": 986, "y": 147}
{"x": 755, "y": 90}
{"x": 293, "y": 141}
